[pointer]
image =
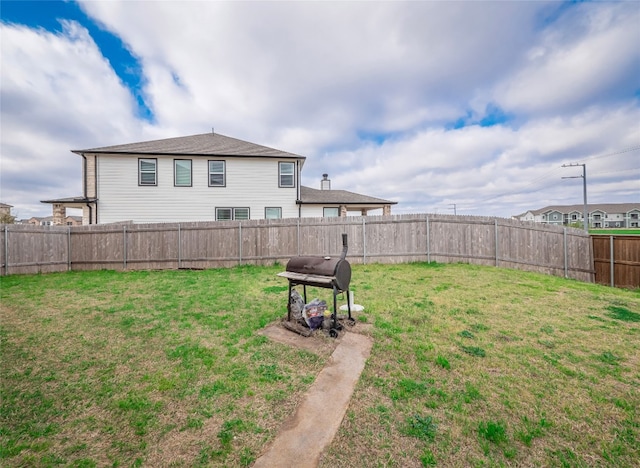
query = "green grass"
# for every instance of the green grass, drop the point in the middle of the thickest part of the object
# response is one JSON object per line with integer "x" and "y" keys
{"x": 614, "y": 232}
{"x": 471, "y": 366}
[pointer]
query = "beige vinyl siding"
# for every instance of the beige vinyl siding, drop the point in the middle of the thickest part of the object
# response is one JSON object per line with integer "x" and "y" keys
{"x": 250, "y": 182}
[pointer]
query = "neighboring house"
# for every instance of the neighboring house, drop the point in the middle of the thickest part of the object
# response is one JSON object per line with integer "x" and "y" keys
{"x": 607, "y": 215}
{"x": 201, "y": 178}
{"x": 5, "y": 209}
{"x": 5, "y": 214}
{"x": 49, "y": 221}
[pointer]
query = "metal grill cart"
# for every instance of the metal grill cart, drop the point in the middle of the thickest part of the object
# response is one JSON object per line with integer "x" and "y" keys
{"x": 321, "y": 272}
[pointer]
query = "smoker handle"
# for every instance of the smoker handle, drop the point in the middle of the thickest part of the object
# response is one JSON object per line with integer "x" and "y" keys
{"x": 345, "y": 247}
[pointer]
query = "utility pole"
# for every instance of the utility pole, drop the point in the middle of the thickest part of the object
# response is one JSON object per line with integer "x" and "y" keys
{"x": 585, "y": 215}
{"x": 454, "y": 208}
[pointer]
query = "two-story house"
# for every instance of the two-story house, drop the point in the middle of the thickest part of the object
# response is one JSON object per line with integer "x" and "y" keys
{"x": 202, "y": 178}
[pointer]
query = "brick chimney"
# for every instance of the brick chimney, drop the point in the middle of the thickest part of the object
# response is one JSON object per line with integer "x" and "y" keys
{"x": 325, "y": 183}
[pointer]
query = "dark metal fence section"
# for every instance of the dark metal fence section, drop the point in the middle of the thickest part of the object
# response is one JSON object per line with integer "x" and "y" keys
{"x": 617, "y": 260}
{"x": 380, "y": 239}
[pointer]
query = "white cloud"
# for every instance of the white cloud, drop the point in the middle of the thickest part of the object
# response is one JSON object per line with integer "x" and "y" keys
{"x": 473, "y": 166}
{"x": 330, "y": 81}
{"x": 581, "y": 58}
{"x": 58, "y": 93}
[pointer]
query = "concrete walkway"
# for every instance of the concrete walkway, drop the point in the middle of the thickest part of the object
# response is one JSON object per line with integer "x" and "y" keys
{"x": 304, "y": 436}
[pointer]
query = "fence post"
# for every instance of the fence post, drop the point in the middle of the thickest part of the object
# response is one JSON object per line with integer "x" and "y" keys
{"x": 364, "y": 241}
{"x": 428, "y": 242}
{"x": 298, "y": 237}
{"x": 179, "y": 247}
{"x": 239, "y": 242}
{"x": 612, "y": 262}
{"x": 69, "y": 248}
{"x": 566, "y": 261}
{"x": 6, "y": 250}
{"x": 495, "y": 221}
{"x": 124, "y": 255}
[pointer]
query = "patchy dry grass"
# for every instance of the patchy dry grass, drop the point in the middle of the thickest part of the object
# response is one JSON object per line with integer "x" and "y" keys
{"x": 471, "y": 366}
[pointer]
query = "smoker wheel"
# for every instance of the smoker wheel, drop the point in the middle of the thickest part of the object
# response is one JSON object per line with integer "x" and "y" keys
{"x": 333, "y": 333}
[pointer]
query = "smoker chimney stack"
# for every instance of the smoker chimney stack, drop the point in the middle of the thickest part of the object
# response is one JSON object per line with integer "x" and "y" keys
{"x": 325, "y": 183}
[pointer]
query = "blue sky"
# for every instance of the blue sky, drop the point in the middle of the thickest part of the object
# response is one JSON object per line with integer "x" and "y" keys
{"x": 477, "y": 104}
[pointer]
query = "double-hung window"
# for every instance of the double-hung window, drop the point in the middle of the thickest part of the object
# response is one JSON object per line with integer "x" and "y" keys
{"x": 228, "y": 214}
{"x": 217, "y": 174}
{"x": 182, "y": 172}
{"x": 286, "y": 174}
{"x": 147, "y": 171}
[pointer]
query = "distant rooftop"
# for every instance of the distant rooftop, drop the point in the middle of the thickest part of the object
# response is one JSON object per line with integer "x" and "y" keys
{"x": 591, "y": 207}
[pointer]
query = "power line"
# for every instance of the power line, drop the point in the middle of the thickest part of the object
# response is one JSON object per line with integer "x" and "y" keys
{"x": 626, "y": 171}
{"x": 546, "y": 175}
{"x": 534, "y": 182}
{"x": 626, "y": 150}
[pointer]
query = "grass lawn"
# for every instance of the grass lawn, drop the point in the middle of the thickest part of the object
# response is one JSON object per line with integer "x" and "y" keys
{"x": 615, "y": 232}
{"x": 471, "y": 366}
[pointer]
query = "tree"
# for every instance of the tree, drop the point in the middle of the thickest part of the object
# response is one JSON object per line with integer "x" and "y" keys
{"x": 7, "y": 218}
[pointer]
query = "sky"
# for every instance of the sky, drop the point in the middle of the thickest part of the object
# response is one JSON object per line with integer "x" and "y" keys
{"x": 465, "y": 107}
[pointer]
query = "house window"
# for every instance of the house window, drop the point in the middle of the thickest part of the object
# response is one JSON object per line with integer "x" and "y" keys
{"x": 555, "y": 216}
{"x": 634, "y": 215}
{"x": 286, "y": 172}
{"x": 273, "y": 213}
{"x": 330, "y": 212}
{"x": 182, "y": 172}
{"x": 574, "y": 217}
{"x": 217, "y": 174}
{"x": 228, "y": 214}
{"x": 596, "y": 216}
{"x": 147, "y": 171}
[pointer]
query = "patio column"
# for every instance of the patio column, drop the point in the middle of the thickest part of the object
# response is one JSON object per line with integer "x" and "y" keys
{"x": 386, "y": 210}
{"x": 343, "y": 211}
{"x": 59, "y": 214}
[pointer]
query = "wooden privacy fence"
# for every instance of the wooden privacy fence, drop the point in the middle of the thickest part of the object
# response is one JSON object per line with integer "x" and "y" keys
{"x": 617, "y": 260}
{"x": 383, "y": 239}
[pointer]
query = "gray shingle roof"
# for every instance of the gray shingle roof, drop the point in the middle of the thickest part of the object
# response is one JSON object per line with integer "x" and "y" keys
{"x": 205, "y": 144}
{"x": 312, "y": 196}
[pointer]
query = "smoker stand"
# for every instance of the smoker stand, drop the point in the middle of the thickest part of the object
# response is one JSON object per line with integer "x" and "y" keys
{"x": 327, "y": 282}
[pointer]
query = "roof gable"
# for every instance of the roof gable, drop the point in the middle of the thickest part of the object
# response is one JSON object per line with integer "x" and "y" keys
{"x": 205, "y": 144}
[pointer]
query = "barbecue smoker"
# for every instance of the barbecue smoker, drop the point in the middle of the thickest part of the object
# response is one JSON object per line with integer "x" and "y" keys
{"x": 321, "y": 272}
